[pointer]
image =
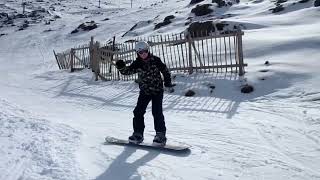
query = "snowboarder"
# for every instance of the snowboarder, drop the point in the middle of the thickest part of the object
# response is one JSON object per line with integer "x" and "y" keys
{"x": 150, "y": 81}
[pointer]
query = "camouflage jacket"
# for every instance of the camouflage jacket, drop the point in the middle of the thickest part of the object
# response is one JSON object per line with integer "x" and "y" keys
{"x": 149, "y": 77}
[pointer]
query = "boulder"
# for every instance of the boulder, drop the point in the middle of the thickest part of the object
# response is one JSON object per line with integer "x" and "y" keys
{"x": 87, "y": 26}
{"x": 195, "y": 2}
{"x": 190, "y": 93}
{"x": 277, "y": 9}
{"x": 199, "y": 29}
{"x": 166, "y": 21}
{"x": 201, "y": 10}
{"x": 247, "y": 89}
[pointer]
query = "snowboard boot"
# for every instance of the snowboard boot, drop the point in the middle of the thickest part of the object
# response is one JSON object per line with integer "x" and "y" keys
{"x": 136, "y": 138}
{"x": 160, "y": 139}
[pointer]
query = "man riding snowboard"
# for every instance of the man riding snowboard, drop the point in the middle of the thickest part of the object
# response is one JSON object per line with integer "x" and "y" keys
{"x": 149, "y": 69}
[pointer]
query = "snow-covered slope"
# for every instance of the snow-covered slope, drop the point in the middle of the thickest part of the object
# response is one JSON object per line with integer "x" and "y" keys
{"x": 53, "y": 123}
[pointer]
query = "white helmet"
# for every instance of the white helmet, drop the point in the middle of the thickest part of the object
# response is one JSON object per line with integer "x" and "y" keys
{"x": 142, "y": 45}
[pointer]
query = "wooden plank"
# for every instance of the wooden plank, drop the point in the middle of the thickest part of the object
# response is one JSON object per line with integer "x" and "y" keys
{"x": 81, "y": 48}
{"x": 190, "y": 69}
{"x": 240, "y": 55}
{"x": 197, "y": 53}
{"x": 55, "y": 55}
{"x": 71, "y": 60}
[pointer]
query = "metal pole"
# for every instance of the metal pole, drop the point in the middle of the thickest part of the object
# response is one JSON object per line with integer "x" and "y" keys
{"x": 23, "y": 7}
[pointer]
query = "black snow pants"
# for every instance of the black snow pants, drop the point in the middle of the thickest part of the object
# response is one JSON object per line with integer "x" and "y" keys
{"x": 140, "y": 110}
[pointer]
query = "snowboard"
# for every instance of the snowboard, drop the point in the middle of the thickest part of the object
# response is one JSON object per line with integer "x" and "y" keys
{"x": 146, "y": 145}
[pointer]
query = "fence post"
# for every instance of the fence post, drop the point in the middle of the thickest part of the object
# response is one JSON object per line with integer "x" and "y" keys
{"x": 72, "y": 52}
{"x": 190, "y": 53}
{"x": 240, "y": 52}
{"x": 96, "y": 57}
{"x": 55, "y": 55}
{"x": 111, "y": 56}
{"x": 91, "y": 53}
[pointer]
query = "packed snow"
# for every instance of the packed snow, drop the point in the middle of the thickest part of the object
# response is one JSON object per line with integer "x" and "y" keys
{"x": 53, "y": 122}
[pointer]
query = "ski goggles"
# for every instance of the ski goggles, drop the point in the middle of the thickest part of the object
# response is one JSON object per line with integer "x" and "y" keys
{"x": 143, "y": 51}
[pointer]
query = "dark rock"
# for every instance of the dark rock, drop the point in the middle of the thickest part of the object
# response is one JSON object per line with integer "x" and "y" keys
{"x": 87, "y": 26}
{"x": 20, "y": 16}
{"x": 190, "y": 93}
{"x": 8, "y": 21}
{"x": 48, "y": 30}
{"x": 201, "y": 10}
{"x": 52, "y": 8}
{"x": 303, "y": 1}
{"x": 159, "y": 25}
{"x": 199, "y": 29}
{"x": 166, "y": 21}
{"x": 3, "y": 15}
{"x": 106, "y": 19}
{"x": 278, "y": 8}
{"x": 278, "y": 2}
{"x": 33, "y": 14}
{"x": 168, "y": 18}
{"x": 2, "y": 34}
{"x": 247, "y": 89}
{"x": 316, "y": 3}
{"x": 220, "y": 26}
{"x": 24, "y": 25}
{"x": 74, "y": 31}
{"x": 195, "y": 1}
{"x": 264, "y": 70}
{"x": 212, "y": 86}
{"x": 267, "y": 63}
{"x": 220, "y": 3}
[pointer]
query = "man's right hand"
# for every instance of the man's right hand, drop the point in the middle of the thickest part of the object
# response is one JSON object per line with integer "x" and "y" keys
{"x": 120, "y": 64}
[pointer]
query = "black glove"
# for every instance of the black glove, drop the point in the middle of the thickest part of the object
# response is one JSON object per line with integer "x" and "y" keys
{"x": 169, "y": 85}
{"x": 120, "y": 64}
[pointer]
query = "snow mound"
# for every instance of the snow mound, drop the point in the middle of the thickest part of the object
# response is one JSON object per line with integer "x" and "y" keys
{"x": 33, "y": 148}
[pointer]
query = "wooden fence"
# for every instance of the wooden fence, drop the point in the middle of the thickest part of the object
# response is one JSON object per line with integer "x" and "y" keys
{"x": 186, "y": 53}
{"x": 74, "y": 59}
